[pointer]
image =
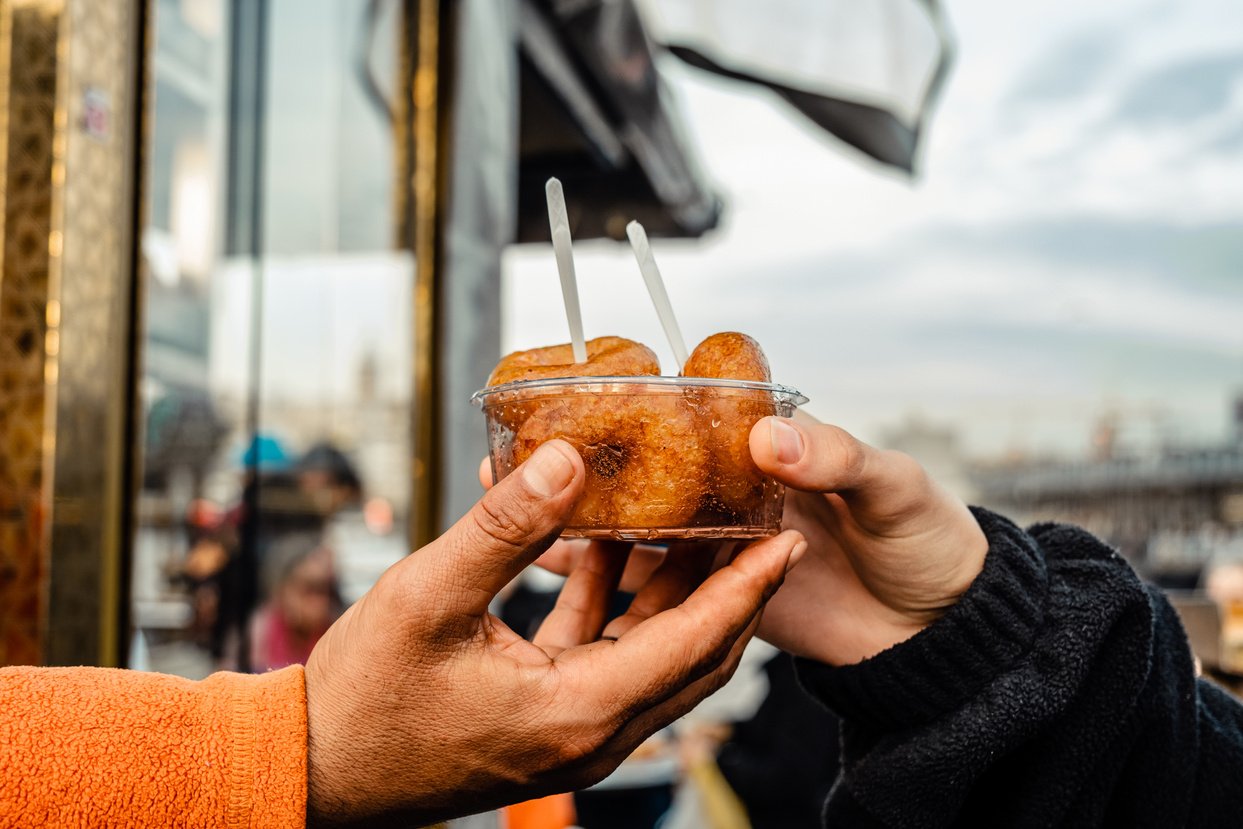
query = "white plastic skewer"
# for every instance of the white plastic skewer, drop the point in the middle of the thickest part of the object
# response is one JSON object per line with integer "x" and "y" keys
{"x": 656, "y": 287}
{"x": 559, "y": 222}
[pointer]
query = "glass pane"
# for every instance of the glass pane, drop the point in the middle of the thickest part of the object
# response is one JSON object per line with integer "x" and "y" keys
{"x": 276, "y": 458}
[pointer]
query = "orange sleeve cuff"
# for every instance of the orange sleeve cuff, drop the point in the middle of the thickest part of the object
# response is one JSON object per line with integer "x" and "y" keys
{"x": 103, "y": 747}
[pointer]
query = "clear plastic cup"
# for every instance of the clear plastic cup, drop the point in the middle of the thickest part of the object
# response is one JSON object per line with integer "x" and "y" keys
{"x": 666, "y": 457}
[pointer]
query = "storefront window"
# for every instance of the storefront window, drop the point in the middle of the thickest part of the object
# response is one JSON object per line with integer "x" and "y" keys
{"x": 277, "y": 375}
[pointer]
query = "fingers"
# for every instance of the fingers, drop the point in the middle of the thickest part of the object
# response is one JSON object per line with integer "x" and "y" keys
{"x": 563, "y": 556}
{"x": 662, "y": 655}
{"x": 684, "y": 568}
{"x": 583, "y": 603}
{"x": 505, "y": 531}
{"x": 485, "y": 474}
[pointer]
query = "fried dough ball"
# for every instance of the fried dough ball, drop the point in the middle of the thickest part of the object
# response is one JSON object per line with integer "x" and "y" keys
{"x": 646, "y": 461}
{"x": 728, "y": 356}
{"x": 737, "y": 483}
{"x": 606, "y": 357}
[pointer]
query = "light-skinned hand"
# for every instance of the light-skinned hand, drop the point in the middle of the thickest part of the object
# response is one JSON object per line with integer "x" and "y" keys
{"x": 421, "y": 705}
{"x": 890, "y": 549}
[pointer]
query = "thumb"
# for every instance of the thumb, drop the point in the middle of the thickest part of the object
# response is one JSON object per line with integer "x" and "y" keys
{"x": 504, "y": 531}
{"x": 812, "y": 456}
{"x": 816, "y": 457}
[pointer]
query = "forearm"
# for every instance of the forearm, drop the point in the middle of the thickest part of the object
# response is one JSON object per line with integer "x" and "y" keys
{"x": 1058, "y": 685}
{"x": 96, "y": 746}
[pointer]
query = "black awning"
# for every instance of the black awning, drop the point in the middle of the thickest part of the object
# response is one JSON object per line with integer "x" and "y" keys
{"x": 595, "y": 113}
{"x": 865, "y": 71}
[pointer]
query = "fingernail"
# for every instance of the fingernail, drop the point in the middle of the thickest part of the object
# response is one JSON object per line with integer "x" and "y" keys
{"x": 786, "y": 441}
{"x": 548, "y": 471}
{"x": 796, "y": 555}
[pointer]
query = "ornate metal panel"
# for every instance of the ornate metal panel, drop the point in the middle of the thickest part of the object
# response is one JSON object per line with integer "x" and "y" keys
{"x": 93, "y": 386}
{"x": 66, "y": 303}
{"x": 28, "y": 330}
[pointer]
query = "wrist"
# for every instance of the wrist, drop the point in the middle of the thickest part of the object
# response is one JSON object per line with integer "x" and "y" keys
{"x": 325, "y": 805}
{"x": 977, "y": 639}
{"x": 928, "y": 597}
{"x": 843, "y": 615}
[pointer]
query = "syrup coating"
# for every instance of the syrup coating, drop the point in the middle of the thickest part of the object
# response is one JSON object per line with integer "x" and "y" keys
{"x": 737, "y": 481}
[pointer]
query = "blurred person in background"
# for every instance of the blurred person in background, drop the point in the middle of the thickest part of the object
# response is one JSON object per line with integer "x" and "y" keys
{"x": 358, "y": 530}
{"x": 329, "y": 479}
{"x": 782, "y": 762}
{"x": 270, "y": 506}
{"x": 208, "y": 542}
{"x": 303, "y": 600}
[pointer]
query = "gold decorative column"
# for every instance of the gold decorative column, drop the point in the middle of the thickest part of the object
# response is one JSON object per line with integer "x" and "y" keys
{"x": 72, "y": 92}
{"x": 424, "y": 147}
{"x": 30, "y": 34}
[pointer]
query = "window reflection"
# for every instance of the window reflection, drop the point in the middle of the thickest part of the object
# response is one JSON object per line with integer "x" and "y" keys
{"x": 276, "y": 476}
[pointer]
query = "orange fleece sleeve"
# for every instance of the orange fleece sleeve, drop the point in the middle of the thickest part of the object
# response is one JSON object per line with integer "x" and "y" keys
{"x": 103, "y": 747}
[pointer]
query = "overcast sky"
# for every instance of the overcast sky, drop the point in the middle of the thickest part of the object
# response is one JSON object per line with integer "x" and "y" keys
{"x": 1073, "y": 245}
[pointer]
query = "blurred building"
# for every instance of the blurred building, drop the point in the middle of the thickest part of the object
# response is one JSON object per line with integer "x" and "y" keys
{"x": 937, "y": 448}
{"x": 1171, "y": 510}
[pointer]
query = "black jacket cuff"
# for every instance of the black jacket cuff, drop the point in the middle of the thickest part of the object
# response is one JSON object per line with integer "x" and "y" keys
{"x": 941, "y": 667}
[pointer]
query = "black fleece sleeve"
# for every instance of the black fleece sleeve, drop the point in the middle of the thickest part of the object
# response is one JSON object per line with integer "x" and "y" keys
{"x": 1059, "y": 691}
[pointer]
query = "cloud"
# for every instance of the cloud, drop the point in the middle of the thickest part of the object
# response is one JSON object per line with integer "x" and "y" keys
{"x": 1229, "y": 142}
{"x": 1182, "y": 92}
{"x": 1202, "y": 262}
{"x": 1068, "y": 71}
{"x": 1204, "y": 258}
{"x": 985, "y": 327}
